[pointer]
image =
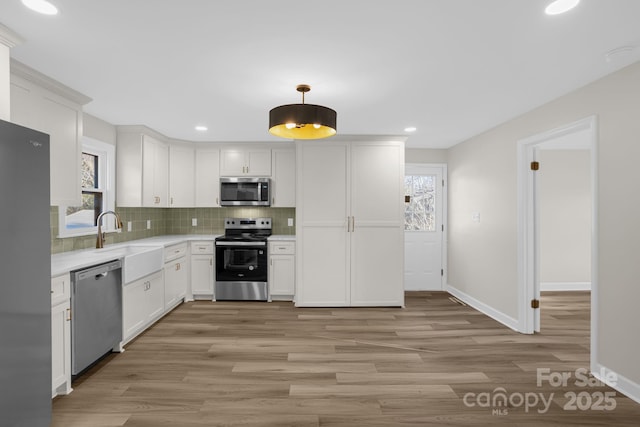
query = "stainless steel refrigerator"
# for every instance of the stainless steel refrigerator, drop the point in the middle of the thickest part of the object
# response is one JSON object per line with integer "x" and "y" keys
{"x": 25, "y": 278}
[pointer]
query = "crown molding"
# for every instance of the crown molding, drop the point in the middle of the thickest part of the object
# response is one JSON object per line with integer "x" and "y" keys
{"x": 24, "y": 71}
{"x": 9, "y": 37}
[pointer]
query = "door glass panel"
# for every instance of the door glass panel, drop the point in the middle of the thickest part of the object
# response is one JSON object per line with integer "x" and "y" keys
{"x": 420, "y": 211}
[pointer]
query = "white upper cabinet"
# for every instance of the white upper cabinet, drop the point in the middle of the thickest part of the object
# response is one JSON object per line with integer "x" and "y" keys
{"x": 249, "y": 162}
{"x": 142, "y": 170}
{"x": 207, "y": 179}
{"x": 283, "y": 183}
{"x": 57, "y": 112}
{"x": 350, "y": 223}
{"x": 181, "y": 176}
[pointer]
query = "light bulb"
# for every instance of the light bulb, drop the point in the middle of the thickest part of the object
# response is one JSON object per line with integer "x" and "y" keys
{"x": 41, "y": 6}
{"x": 317, "y": 126}
{"x": 290, "y": 125}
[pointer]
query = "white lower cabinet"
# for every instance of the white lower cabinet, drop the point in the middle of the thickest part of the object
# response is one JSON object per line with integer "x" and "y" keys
{"x": 60, "y": 335}
{"x": 176, "y": 275}
{"x": 142, "y": 304}
{"x": 282, "y": 270}
{"x": 202, "y": 271}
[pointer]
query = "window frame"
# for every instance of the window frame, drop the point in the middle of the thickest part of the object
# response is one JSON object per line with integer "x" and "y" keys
{"x": 106, "y": 185}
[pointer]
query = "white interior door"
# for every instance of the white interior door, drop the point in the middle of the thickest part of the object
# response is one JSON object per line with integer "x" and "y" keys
{"x": 424, "y": 225}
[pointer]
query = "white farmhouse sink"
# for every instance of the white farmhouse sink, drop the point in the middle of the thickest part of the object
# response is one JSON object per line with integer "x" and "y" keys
{"x": 137, "y": 261}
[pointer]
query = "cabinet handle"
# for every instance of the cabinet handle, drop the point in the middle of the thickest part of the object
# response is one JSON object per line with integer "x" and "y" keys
{"x": 68, "y": 314}
{"x": 172, "y": 200}
{"x": 217, "y": 202}
{"x": 273, "y": 200}
{"x": 211, "y": 261}
{"x": 177, "y": 266}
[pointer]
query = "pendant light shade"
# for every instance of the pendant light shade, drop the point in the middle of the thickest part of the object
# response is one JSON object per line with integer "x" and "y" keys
{"x": 302, "y": 121}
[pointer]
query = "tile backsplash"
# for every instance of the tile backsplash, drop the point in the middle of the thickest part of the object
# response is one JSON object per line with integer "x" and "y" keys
{"x": 170, "y": 221}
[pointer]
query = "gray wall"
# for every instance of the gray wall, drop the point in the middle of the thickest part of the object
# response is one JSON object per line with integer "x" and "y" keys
{"x": 482, "y": 177}
{"x": 564, "y": 183}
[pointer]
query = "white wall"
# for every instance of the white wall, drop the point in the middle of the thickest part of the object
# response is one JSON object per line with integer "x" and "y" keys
{"x": 425, "y": 155}
{"x": 5, "y": 83}
{"x": 564, "y": 184}
{"x": 96, "y": 128}
{"x": 482, "y": 178}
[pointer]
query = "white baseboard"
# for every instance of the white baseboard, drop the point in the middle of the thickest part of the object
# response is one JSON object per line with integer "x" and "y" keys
{"x": 565, "y": 286}
{"x": 483, "y": 308}
{"x": 622, "y": 384}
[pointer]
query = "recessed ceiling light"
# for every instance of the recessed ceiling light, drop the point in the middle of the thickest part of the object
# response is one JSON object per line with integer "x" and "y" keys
{"x": 410, "y": 129}
{"x": 201, "y": 128}
{"x": 41, "y": 6}
{"x": 560, "y": 6}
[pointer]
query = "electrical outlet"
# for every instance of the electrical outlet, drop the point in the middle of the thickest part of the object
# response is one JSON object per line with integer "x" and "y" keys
{"x": 194, "y": 222}
{"x": 290, "y": 222}
{"x": 475, "y": 216}
{"x": 148, "y": 224}
{"x": 128, "y": 225}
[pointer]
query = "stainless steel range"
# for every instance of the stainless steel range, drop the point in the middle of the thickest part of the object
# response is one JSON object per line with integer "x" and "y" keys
{"x": 241, "y": 260}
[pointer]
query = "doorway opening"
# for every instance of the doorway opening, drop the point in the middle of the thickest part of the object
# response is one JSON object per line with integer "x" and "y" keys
{"x": 580, "y": 135}
{"x": 425, "y": 218}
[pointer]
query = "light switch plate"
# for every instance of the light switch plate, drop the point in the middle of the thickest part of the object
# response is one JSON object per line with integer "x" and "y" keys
{"x": 475, "y": 216}
{"x": 128, "y": 225}
{"x": 194, "y": 222}
{"x": 290, "y": 222}
{"x": 148, "y": 224}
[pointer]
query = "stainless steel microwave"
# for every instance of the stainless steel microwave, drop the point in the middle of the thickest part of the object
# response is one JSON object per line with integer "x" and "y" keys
{"x": 245, "y": 191}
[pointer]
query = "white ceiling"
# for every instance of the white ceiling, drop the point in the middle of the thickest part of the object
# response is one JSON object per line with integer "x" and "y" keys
{"x": 451, "y": 68}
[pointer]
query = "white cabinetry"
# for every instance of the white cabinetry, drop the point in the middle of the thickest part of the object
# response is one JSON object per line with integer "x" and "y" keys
{"x": 283, "y": 184}
{"x": 155, "y": 173}
{"x": 60, "y": 335}
{"x": 34, "y": 106}
{"x": 142, "y": 170}
{"x": 250, "y": 162}
{"x": 176, "y": 275}
{"x": 207, "y": 180}
{"x": 143, "y": 304}
{"x": 282, "y": 269}
{"x": 202, "y": 271}
{"x": 181, "y": 176}
{"x": 350, "y": 221}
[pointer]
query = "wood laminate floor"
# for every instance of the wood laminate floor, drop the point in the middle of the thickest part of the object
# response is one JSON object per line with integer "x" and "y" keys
{"x": 270, "y": 364}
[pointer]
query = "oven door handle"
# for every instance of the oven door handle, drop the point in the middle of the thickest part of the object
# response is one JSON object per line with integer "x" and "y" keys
{"x": 241, "y": 243}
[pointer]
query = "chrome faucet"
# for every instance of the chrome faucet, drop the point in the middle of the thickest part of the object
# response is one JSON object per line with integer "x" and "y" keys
{"x": 101, "y": 236}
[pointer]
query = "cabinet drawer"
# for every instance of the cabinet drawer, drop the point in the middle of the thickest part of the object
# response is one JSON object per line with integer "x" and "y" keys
{"x": 60, "y": 289}
{"x": 282, "y": 248}
{"x": 175, "y": 252}
{"x": 204, "y": 248}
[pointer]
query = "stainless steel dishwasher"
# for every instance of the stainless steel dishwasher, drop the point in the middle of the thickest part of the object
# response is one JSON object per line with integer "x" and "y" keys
{"x": 96, "y": 321}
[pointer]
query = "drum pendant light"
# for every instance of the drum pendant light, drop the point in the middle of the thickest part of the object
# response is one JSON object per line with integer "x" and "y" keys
{"x": 302, "y": 121}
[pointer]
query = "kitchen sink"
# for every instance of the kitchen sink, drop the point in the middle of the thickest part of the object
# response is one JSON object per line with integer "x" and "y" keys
{"x": 137, "y": 261}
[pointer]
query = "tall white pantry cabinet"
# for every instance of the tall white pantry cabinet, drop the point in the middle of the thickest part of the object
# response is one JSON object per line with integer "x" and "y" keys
{"x": 350, "y": 222}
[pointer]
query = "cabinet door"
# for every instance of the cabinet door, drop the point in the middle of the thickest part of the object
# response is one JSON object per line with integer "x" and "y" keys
{"x": 175, "y": 282}
{"x": 61, "y": 347}
{"x": 283, "y": 185}
{"x": 155, "y": 296}
{"x": 258, "y": 162}
{"x": 181, "y": 176}
{"x": 232, "y": 162}
{"x": 37, "y": 108}
{"x": 134, "y": 307}
{"x": 202, "y": 275}
{"x": 282, "y": 275}
{"x": 322, "y": 268}
{"x": 155, "y": 173}
{"x": 377, "y": 210}
{"x": 207, "y": 180}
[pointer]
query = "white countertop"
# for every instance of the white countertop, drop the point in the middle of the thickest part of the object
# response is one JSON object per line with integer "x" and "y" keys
{"x": 291, "y": 237}
{"x": 68, "y": 261}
